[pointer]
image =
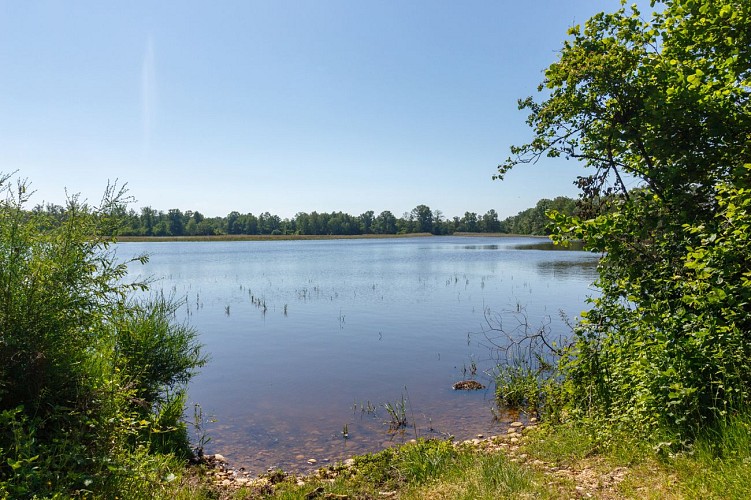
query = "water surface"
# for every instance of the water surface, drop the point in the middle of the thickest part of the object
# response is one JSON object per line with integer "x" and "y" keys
{"x": 306, "y": 336}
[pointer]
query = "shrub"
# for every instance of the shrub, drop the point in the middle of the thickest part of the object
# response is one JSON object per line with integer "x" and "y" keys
{"x": 89, "y": 376}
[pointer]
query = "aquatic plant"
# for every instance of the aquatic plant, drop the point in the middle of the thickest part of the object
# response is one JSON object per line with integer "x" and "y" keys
{"x": 397, "y": 413}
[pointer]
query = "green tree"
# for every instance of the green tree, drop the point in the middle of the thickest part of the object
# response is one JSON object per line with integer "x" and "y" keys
{"x": 662, "y": 104}
{"x": 248, "y": 224}
{"x": 148, "y": 221}
{"x": 440, "y": 224}
{"x": 490, "y": 222}
{"x": 423, "y": 219}
{"x": 385, "y": 223}
{"x": 176, "y": 223}
{"x": 366, "y": 222}
{"x": 469, "y": 222}
{"x": 234, "y": 225}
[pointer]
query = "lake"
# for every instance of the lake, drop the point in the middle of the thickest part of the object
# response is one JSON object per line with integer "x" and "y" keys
{"x": 307, "y": 337}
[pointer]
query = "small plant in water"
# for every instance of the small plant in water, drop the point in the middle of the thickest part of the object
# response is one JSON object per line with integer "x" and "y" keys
{"x": 370, "y": 409}
{"x": 397, "y": 414}
{"x": 202, "y": 437}
{"x": 345, "y": 432}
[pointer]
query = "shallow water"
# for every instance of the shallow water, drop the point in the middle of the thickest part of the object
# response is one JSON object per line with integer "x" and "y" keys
{"x": 306, "y": 337}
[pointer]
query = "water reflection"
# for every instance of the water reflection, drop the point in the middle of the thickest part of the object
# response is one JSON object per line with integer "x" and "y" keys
{"x": 568, "y": 268}
{"x": 481, "y": 247}
{"x": 302, "y": 333}
{"x": 546, "y": 244}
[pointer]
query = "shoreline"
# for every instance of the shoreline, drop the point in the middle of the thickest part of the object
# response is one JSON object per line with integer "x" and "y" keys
{"x": 224, "y": 475}
{"x": 303, "y": 237}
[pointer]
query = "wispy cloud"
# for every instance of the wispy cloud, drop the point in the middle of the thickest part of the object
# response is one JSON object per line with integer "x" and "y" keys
{"x": 148, "y": 92}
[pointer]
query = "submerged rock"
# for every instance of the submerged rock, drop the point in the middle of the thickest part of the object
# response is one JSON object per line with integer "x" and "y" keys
{"x": 468, "y": 385}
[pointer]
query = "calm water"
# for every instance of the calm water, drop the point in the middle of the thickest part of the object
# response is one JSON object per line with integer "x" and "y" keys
{"x": 304, "y": 336}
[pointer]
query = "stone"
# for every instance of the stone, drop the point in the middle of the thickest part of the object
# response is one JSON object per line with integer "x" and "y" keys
{"x": 219, "y": 458}
{"x": 480, "y": 436}
{"x": 468, "y": 385}
{"x": 312, "y": 461}
{"x": 349, "y": 462}
{"x": 516, "y": 424}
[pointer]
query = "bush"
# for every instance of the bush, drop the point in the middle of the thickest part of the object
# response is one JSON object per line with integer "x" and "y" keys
{"x": 89, "y": 376}
{"x": 657, "y": 107}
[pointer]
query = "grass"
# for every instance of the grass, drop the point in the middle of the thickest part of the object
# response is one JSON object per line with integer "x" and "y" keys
{"x": 557, "y": 461}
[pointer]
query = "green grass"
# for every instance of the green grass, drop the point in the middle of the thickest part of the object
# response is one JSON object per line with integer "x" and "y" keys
{"x": 557, "y": 461}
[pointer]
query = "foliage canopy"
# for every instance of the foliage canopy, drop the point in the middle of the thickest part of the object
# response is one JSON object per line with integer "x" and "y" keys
{"x": 660, "y": 111}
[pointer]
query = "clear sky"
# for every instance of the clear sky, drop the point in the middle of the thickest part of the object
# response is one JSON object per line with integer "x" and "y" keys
{"x": 280, "y": 106}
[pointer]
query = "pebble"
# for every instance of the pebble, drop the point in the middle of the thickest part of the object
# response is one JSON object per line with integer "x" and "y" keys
{"x": 312, "y": 461}
{"x": 480, "y": 436}
{"x": 516, "y": 424}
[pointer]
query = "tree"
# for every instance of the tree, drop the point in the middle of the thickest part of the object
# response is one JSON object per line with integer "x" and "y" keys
{"x": 535, "y": 220}
{"x": 234, "y": 226}
{"x": 490, "y": 222}
{"x": 248, "y": 224}
{"x": 267, "y": 223}
{"x": 423, "y": 217}
{"x": 148, "y": 220}
{"x": 385, "y": 223}
{"x": 440, "y": 224}
{"x": 469, "y": 222}
{"x": 366, "y": 222}
{"x": 664, "y": 102}
{"x": 176, "y": 223}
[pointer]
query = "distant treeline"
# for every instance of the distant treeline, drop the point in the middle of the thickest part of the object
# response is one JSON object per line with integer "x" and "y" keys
{"x": 175, "y": 222}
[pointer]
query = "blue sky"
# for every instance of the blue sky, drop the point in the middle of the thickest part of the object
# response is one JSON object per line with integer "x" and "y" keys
{"x": 280, "y": 106}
